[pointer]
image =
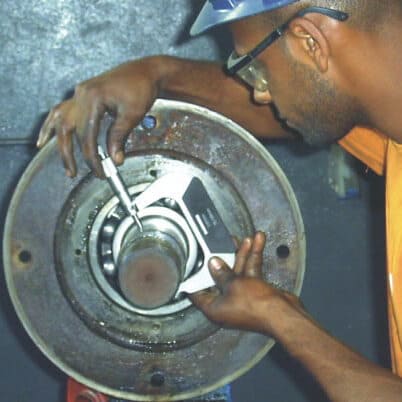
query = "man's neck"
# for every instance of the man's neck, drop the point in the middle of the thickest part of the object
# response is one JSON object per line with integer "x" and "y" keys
{"x": 380, "y": 81}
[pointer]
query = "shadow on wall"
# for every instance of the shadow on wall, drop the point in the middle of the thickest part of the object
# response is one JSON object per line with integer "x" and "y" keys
{"x": 377, "y": 274}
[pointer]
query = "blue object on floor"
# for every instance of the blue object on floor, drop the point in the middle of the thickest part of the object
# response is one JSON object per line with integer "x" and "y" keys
{"x": 223, "y": 394}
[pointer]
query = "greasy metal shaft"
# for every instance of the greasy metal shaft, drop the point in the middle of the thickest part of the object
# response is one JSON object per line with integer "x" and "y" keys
{"x": 117, "y": 184}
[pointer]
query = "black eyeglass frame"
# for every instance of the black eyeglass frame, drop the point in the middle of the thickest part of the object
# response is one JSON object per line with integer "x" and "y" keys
{"x": 233, "y": 65}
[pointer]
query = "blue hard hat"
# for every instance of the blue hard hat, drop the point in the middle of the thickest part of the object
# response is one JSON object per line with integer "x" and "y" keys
{"x": 217, "y": 12}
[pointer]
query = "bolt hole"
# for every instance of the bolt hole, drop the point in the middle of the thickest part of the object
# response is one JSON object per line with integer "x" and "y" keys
{"x": 157, "y": 379}
{"x": 283, "y": 251}
{"x": 156, "y": 326}
{"x": 25, "y": 256}
{"x": 153, "y": 173}
{"x": 78, "y": 252}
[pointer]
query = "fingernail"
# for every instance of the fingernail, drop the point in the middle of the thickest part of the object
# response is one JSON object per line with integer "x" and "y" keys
{"x": 215, "y": 264}
{"x": 69, "y": 173}
{"x": 119, "y": 157}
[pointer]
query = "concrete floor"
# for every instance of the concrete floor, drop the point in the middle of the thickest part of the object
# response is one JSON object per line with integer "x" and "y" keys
{"x": 344, "y": 285}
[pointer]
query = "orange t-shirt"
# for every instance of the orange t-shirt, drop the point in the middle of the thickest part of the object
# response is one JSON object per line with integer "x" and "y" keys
{"x": 384, "y": 156}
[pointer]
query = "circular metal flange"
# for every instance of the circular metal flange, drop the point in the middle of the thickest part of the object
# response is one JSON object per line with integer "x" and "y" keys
{"x": 78, "y": 326}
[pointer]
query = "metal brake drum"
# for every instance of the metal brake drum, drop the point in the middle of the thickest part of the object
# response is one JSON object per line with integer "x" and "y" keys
{"x": 61, "y": 237}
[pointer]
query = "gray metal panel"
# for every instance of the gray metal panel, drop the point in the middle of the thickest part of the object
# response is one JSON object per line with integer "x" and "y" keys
{"x": 47, "y": 47}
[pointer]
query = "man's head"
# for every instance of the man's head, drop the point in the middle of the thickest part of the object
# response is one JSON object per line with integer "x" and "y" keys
{"x": 314, "y": 70}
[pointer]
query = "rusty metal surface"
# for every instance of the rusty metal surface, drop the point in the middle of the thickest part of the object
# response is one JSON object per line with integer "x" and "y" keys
{"x": 47, "y": 205}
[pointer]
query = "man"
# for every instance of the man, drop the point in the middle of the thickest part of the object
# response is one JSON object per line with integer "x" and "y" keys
{"x": 331, "y": 68}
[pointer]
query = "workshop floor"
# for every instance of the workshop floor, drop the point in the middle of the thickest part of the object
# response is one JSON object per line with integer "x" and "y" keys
{"x": 344, "y": 287}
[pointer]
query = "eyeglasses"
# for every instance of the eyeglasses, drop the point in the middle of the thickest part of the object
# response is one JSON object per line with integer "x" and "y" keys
{"x": 251, "y": 70}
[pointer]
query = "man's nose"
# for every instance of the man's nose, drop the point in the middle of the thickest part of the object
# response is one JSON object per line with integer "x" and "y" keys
{"x": 262, "y": 97}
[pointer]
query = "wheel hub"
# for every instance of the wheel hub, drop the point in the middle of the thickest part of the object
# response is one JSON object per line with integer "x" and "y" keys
{"x": 74, "y": 263}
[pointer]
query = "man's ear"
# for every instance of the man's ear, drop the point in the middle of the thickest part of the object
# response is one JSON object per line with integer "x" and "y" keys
{"x": 312, "y": 40}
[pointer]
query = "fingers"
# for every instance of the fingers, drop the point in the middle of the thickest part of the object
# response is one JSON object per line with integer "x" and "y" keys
{"x": 220, "y": 272}
{"x": 58, "y": 117}
{"x": 65, "y": 145}
{"x": 242, "y": 255}
{"x": 47, "y": 130}
{"x": 203, "y": 298}
{"x": 253, "y": 265}
{"x": 118, "y": 134}
{"x": 236, "y": 242}
{"x": 61, "y": 122}
{"x": 249, "y": 256}
{"x": 87, "y": 133}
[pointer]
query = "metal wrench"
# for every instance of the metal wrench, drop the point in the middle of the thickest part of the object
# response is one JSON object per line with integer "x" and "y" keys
{"x": 119, "y": 188}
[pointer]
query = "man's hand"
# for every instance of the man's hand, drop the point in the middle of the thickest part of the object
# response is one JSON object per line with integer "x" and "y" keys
{"x": 127, "y": 92}
{"x": 242, "y": 299}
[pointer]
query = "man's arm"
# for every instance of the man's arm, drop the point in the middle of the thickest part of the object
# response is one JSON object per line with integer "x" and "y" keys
{"x": 206, "y": 84}
{"x": 244, "y": 301}
{"x": 128, "y": 92}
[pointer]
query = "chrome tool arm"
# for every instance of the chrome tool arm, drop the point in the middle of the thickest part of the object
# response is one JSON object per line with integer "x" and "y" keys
{"x": 117, "y": 184}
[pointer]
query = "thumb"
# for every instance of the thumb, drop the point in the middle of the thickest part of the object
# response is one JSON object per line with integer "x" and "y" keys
{"x": 118, "y": 133}
{"x": 220, "y": 272}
